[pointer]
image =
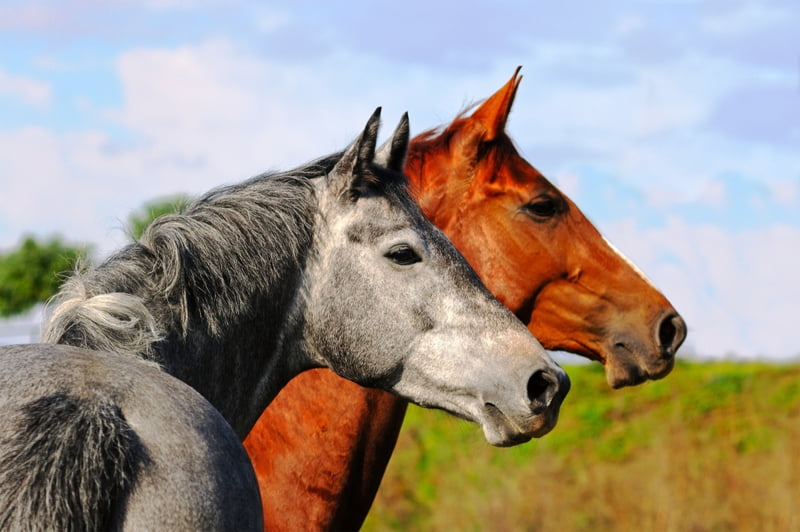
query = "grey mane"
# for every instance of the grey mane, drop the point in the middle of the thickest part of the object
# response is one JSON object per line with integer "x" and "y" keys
{"x": 204, "y": 266}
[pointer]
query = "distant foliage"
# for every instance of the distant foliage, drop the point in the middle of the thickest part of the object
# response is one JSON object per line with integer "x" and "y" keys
{"x": 140, "y": 219}
{"x": 34, "y": 272}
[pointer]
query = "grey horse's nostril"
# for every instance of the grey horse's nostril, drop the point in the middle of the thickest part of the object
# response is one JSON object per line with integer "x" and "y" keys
{"x": 671, "y": 333}
{"x": 541, "y": 387}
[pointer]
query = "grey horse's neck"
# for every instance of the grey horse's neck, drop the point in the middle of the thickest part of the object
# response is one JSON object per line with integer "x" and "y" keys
{"x": 206, "y": 294}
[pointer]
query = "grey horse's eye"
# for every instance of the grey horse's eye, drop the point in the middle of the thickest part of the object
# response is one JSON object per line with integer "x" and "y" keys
{"x": 403, "y": 255}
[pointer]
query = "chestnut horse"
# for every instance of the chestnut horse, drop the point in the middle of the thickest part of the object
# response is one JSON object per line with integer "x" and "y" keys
{"x": 321, "y": 448}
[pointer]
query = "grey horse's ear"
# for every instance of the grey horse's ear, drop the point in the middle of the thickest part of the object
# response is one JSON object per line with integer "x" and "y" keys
{"x": 392, "y": 154}
{"x": 351, "y": 173}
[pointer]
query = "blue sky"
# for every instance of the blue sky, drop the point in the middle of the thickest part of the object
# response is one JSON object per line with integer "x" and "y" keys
{"x": 674, "y": 124}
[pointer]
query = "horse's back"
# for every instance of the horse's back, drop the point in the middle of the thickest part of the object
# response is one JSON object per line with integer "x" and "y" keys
{"x": 118, "y": 441}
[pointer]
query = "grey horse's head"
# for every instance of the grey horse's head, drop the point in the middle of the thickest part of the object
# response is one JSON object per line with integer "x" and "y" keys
{"x": 390, "y": 303}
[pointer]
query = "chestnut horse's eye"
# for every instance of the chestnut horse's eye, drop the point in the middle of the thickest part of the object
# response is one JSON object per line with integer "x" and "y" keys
{"x": 542, "y": 208}
{"x": 403, "y": 255}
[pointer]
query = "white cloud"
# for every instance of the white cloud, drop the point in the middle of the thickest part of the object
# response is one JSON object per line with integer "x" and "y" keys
{"x": 28, "y": 15}
{"x": 785, "y": 192}
{"x": 744, "y": 18}
{"x": 736, "y": 290}
{"x": 713, "y": 194}
{"x": 160, "y": 5}
{"x": 196, "y": 117}
{"x": 268, "y": 20}
{"x": 215, "y": 111}
{"x": 646, "y": 103}
{"x": 649, "y": 123}
{"x": 26, "y": 90}
{"x": 627, "y": 24}
{"x": 33, "y": 159}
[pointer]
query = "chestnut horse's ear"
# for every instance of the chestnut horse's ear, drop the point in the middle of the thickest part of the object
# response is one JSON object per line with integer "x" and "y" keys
{"x": 351, "y": 172}
{"x": 488, "y": 121}
{"x": 493, "y": 113}
{"x": 392, "y": 154}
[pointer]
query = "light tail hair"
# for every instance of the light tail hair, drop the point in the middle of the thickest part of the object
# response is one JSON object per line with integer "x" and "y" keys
{"x": 115, "y": 322}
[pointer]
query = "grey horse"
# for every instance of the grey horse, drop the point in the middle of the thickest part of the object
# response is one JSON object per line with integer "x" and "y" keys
{"x": 329, "y": 265}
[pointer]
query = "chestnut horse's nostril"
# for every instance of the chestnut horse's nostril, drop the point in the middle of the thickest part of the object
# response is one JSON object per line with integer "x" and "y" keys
{"x": 671, "y": 333}
{"x": 666, "y": 333}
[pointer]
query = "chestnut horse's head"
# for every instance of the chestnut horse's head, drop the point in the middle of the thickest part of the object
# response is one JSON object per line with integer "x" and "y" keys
{"x": 537, "y": 252}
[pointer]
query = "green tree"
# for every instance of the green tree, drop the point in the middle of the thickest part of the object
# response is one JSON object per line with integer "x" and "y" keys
{"x": 141, "y": 218}
{"x": 34, "y": 272}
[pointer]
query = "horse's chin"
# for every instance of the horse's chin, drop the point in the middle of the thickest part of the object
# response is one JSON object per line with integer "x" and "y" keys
{"x": 501, "y": 431}
{"x": 620, "y": 375}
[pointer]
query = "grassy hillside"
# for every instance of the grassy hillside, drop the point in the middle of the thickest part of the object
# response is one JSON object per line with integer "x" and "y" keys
{"x": 712, "y": 447}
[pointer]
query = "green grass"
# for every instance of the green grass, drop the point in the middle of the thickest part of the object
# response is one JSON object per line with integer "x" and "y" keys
{"x": 714, "y": 446}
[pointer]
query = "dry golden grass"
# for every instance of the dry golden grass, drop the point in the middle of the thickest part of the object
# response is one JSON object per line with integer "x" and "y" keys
{"x": 712, "y": 447}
